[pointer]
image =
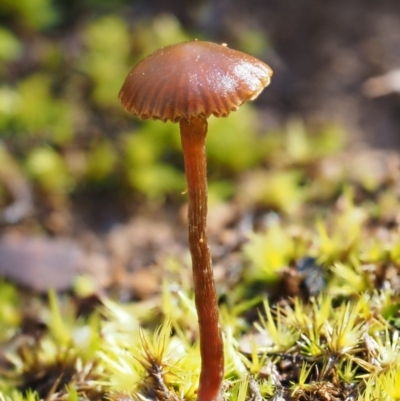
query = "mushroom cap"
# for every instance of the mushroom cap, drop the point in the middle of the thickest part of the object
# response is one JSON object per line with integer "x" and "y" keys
{"x": 193, "y": 79}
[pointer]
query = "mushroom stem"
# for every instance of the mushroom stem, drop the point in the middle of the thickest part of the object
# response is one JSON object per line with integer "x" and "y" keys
{"x": 193, "y": 137}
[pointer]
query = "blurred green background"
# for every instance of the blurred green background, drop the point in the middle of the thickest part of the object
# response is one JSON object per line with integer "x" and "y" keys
{"x": 61, "y": 123}
{"x": 64, "y": 134}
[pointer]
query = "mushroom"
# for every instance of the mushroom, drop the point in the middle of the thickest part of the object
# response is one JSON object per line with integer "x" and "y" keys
{"x": 186, "y": 83}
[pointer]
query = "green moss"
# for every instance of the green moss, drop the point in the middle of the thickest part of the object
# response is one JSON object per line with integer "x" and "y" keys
{"x": 48, "y": 168}
{"x": 10, "y": 46}
{"x": 36, "y": 14}
{"x": 10, "y": 313}
{"x": 311, "y": 199}
{"x": 102, "y": 62}
{"x": 233, "y": 142}
{"x": 101, "y": 161}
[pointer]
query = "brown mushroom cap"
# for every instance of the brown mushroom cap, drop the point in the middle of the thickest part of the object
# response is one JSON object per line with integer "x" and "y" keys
{"x": 193, "y": 79}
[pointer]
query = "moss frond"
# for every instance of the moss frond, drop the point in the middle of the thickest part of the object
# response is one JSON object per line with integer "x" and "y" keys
{"x": 345, "y": 333}
{"x": 282, "y": 336}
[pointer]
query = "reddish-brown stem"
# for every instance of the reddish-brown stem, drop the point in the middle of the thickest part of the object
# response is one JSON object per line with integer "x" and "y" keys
{"x": 193, "y": 137}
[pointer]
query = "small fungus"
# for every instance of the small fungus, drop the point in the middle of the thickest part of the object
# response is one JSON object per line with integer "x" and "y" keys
{"x": 186, "y": 83}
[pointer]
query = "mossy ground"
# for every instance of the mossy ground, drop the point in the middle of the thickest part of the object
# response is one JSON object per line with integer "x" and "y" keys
{"x": 309, "y": 298}
{"x": 305, "y": 236}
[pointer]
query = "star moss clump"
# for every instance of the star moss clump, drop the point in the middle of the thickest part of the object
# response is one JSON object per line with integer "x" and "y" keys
{"x": 310, "y": 310}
